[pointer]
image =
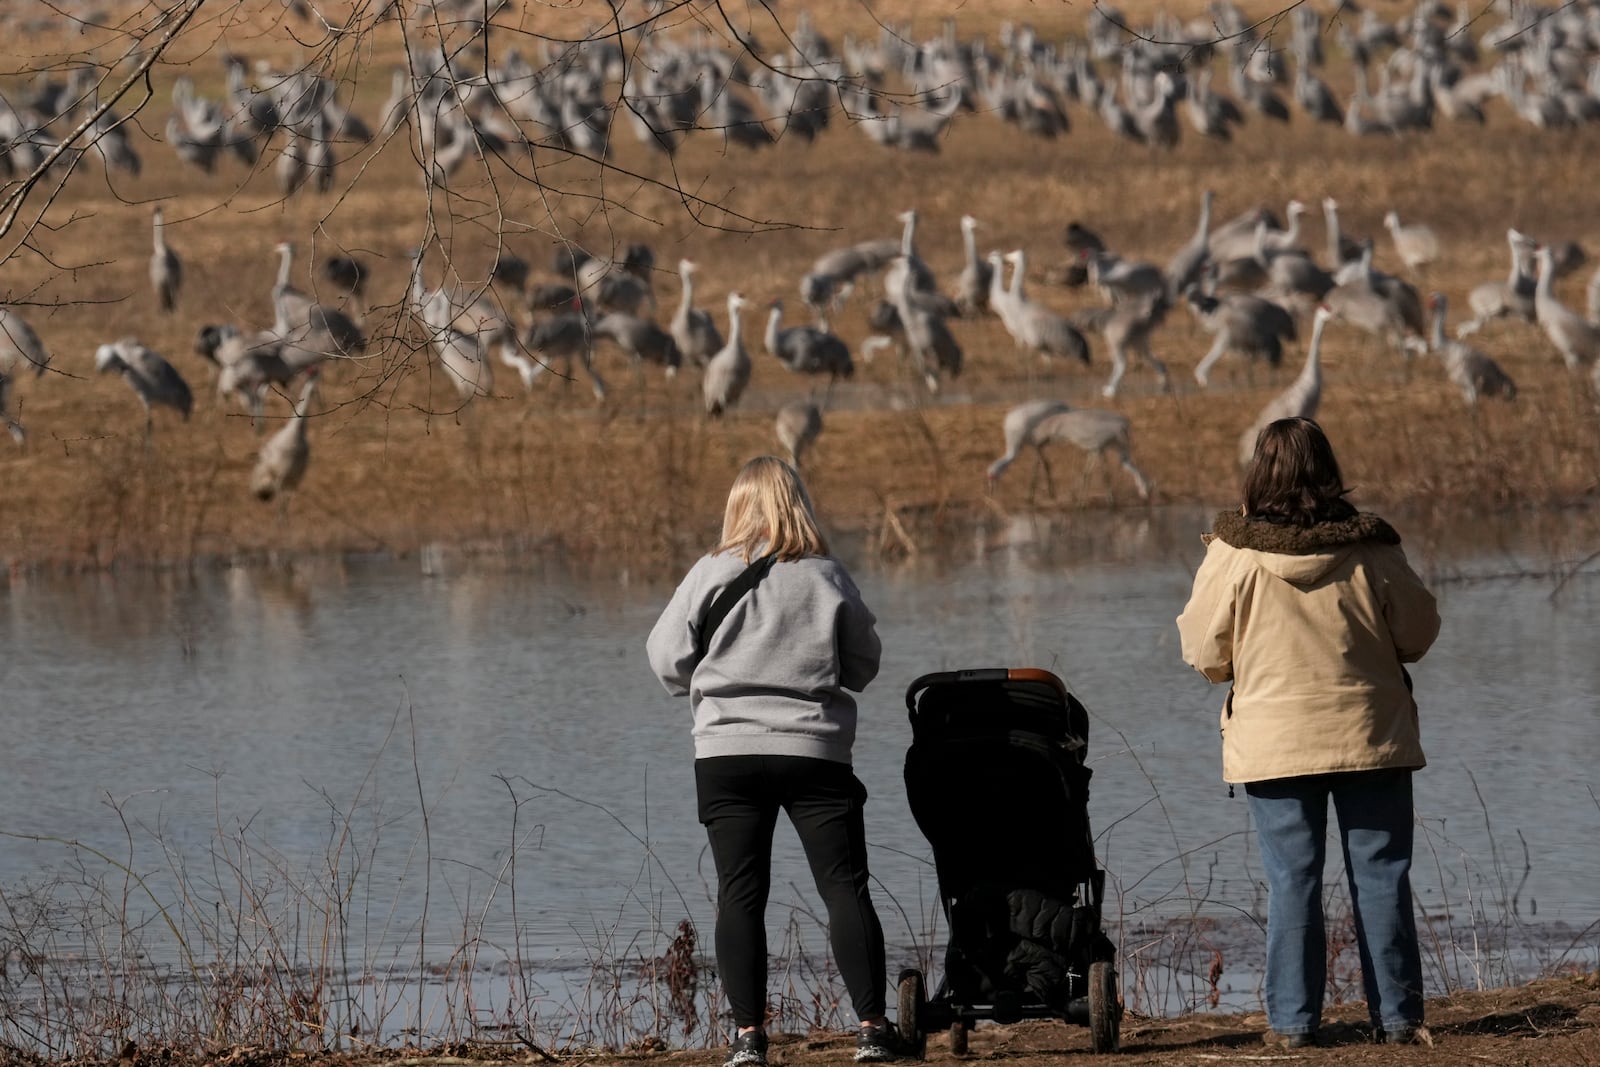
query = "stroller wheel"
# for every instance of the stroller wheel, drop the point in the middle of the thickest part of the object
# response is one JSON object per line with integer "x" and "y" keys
{"x": 913, "y": 998}
{"x": 1105, "y": 1011}
{"x": 958, "y": 1038}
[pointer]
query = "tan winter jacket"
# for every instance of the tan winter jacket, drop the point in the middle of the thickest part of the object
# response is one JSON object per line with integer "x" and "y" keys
{"x": 1311, "y": 625}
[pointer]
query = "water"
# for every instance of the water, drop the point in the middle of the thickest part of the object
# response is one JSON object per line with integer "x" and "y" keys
{"x": 286, "y": 728}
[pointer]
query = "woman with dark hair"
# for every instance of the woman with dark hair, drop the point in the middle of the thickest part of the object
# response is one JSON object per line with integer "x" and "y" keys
{"x": 1309, "y": 608}
{"x": 766, "y": 670}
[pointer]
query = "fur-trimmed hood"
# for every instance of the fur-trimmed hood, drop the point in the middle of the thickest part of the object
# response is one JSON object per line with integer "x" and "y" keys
{"x": 1302, "y": 554}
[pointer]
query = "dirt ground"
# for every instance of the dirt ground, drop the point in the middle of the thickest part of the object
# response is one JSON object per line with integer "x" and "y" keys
{"x": 1554, "y": 1022}
{"x": 638, "y": 482}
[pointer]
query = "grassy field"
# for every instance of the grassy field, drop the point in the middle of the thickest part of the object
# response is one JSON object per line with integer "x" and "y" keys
{"x": 396, "y": 463}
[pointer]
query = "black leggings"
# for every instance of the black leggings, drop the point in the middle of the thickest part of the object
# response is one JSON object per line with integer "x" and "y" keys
{"x": 739, "y": 801}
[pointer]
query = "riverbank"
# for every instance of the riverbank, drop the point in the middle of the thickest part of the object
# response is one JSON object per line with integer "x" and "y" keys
{"x": 1551, "y": 1022}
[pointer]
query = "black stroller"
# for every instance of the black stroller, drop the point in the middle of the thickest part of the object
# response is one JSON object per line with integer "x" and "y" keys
{"x": 997, "y": 783}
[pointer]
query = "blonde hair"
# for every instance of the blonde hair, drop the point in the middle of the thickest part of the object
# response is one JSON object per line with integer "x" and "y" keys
{"x": 768, "y": 507}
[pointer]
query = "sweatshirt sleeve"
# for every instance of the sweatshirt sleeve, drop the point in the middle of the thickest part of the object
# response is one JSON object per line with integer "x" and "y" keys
{"x": 1411, "y": 611}
{"x": 671, "y": 645}
{"x": 859, "y": 647}
{"x": 1205, "y": 629}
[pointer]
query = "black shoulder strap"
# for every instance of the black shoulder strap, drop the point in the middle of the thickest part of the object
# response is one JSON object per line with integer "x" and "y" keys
{"x": 747, "y": 580}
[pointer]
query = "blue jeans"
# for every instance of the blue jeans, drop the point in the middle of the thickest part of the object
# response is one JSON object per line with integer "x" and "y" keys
{"x": 1375, "y": 828}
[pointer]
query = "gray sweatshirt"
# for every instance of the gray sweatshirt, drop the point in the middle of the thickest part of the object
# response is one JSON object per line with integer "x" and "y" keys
{"x": 774, "y": 677}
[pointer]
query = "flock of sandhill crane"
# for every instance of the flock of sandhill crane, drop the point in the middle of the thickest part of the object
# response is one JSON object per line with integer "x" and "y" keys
{"x": 1248, "y": 280}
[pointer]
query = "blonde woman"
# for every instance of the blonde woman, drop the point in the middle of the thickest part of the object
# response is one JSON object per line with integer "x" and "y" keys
{"x": 769, "y": 683}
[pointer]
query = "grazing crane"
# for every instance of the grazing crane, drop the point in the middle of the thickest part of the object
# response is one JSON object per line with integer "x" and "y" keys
{"x": 798, "y": 424}
{"x": 1302, "y": 397}
{"x": 153, "y": 380}
{"x": 1576, "y": 338}
{"x": 1041, "y": 422}
{"x": 166, "y": 270}
{"x": 19, "y": 347}
{"x": 693, "y": 329}
{"x": 807, "y": 349}
{"x": 281, "y": 463}
{"x": 1416, "y": 244}
{"x": 728, "y": 372}
{"x": 1035, "y": 327}
{"x": 1512, "y": 297}
{"x": 972, "y": 287}
{"x": 1251, "y": 326}
{"x": 1474, "y": 373}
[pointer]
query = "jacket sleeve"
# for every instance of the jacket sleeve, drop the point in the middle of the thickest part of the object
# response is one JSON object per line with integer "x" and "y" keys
{"x": 671, "y": 645}
{"x": 859, "y": 647}
{"x": 1411, "y": 611}
{"x": 1205, "y": 629}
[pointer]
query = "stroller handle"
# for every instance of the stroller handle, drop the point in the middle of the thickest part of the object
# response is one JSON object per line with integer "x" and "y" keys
{"x": 983, "y": 674}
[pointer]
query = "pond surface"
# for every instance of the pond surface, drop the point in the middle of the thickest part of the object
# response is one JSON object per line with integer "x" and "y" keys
{"x": 480, "y": 756}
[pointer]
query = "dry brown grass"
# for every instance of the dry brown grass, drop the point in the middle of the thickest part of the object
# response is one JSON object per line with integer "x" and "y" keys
{"x": 641, "y": 480}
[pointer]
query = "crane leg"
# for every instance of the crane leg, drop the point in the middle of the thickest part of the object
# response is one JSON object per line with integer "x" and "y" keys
{"x": 1202, "y": 372}
{"x": 1156, "y": 365}
{"x": 1119, "y": 367}
{"x": 1135, "y": 473}
{"x": 17, "y": 433}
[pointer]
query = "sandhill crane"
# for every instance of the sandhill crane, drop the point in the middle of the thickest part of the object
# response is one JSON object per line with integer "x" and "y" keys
{"x": 806, "y": 349}
{"x": 1000, "y": 301}
{"x": 1416, "y": 244}
{"x": 166, "y": 271}
{"x": 728, "y": 372}
{"x": 922, "y": 289}
{"x": 1127, "y": 326}
{"x": 282, "y": 461}
{"x": 1038, "y": 329}
{"x": 1380, "y": 304}
{"x": 693, "y": 329}
{"x": 247, "y": 364}
{"x": 1474, "y": 373}
{"x": 1512, "y": 297}
{"x": 20, "y": 348}
{"x": 1236, "y": 238}
{"x": 1300, "y": 399}
{"x": 311, "y": 331}
{"x": 798, "y": 424}
{"x": 1577, "y": 339}
{"x": 834, "y": 274}
{"x": 153, "y": 380}
{"x": 1343, "y": 250}
{"x": 642, "y": 340}
{"x": 972, "y": 287}
{"x": 932, "y": 346}
{"x": 1292, "y": 276}
{"x": 1210, "y": 113}
{"x": 1185, "y": 267}
{"x": 1251, "y": 326}
{"x": 566, "y": 337}
{"x": 1041, "y": 422}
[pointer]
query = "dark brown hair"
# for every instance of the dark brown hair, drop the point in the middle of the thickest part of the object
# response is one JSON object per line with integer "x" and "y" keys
{"x": 1294, "y": 477}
